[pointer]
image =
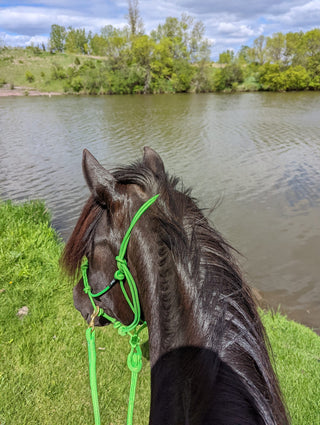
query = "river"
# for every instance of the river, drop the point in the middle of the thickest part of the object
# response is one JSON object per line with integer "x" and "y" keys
{"x": 255, "y": 154}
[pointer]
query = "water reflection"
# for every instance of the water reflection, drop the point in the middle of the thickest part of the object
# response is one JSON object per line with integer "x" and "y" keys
{"x": 259, "y": 153}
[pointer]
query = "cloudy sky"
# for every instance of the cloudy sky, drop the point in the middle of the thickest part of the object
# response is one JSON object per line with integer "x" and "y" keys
{"x": 229, "y": 23}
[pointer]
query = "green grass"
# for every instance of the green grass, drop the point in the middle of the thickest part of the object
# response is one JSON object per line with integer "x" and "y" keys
{"x": 296, "y": 350}
{"x": 43, "y": 368}
{"x": 15, "y": 63}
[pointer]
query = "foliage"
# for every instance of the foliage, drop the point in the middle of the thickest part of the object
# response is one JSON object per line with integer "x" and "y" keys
{"x": 175, "y": 57}
{"x": 226, "y": 57}
{"x": 29, "y": 76}
{"x": 292, "y": 78}
{"x": 57, "y": 72}
{"x": 57, "y": 38}
{"x": 44, "y": 366}
{"x": 228, "y": 77}
{"x": 76, "y": 41}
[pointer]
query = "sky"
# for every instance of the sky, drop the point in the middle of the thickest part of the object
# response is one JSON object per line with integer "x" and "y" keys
{"x": 229, "y": 24}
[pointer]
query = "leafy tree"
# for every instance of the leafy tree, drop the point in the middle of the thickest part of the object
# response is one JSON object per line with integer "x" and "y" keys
{"x": 313, "y": 68}
{"x": 259, "y": 50}
{"x": 142, "y": 52}
{"x": 226, "y": 57}
{"x": 114, "y": 44}
{"x": 175, "y": 31}
{"x": 162, "y": 60}
{"x": 275, "y": 47}
{"x": 199, "y": 45}
{"x": 99, "y": 45}
{"x": 228, "y": 77}
{"x": 295, "y": 49}
{"x": 57, "y": 38}
{"x": 312, "y": 42}
{"x": 271, "y": 78}
{"x": 76, "y": 41}
{"x": 244, "y": 55}
{"x": 182, "y": 75}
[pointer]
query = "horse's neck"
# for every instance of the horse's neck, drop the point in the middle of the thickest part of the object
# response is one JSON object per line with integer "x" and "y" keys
{"x": 190, "y": 384}
{"x": 169, "y": 313}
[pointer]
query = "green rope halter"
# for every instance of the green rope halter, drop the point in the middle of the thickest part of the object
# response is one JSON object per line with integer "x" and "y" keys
{"x": 134, "y": 360}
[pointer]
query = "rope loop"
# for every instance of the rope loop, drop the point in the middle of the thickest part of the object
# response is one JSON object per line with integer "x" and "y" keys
{"x": 122, "y": 330}
{"x": 134, "y": 360}
{"x": 119, "y": 275}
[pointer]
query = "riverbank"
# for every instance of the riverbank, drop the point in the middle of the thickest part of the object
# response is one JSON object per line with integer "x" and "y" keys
{"x": 70, "y": 73}
{"x": 7, "y": 91}
{"x": 42, "y": 335}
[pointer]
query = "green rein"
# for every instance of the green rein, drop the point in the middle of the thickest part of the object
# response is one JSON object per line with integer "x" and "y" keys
{"x": 134, "y": 360}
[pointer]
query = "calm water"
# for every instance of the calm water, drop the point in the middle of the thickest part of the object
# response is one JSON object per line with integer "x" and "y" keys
{"x": 258, "y": 154}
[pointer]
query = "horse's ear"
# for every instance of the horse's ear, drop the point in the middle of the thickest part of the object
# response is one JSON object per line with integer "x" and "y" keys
{"x": 153, "y": 161}
{"x": 100, "y": 181}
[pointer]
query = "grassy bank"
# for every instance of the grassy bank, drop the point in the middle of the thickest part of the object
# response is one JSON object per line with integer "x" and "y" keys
{"x": 29, "y": 69}
{"x": 43, "y": 369}
{"x": 23, "y": 68}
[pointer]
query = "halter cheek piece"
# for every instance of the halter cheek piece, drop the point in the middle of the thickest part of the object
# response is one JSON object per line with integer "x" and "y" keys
{"x": 134, "y": 360}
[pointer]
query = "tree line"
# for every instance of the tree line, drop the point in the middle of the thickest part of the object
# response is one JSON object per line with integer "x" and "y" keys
{"x": 175, "y": 57}
{"x": 280, "y": 62}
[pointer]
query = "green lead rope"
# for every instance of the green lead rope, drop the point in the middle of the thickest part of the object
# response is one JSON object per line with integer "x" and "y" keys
{"x": 90, "y": 336}
{"x": 134, "y": 360}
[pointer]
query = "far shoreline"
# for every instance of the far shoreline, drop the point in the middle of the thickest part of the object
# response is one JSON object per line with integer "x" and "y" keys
{"x": 6, "y": 91}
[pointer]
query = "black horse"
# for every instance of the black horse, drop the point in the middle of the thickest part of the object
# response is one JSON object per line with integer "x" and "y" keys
{"x": 208, "y": 351}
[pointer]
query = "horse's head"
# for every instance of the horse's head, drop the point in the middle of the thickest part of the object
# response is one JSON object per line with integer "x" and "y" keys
{"x": 115, "y": 198}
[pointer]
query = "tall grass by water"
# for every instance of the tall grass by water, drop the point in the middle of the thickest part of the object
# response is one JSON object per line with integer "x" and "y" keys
{"x": 43, "y": 368}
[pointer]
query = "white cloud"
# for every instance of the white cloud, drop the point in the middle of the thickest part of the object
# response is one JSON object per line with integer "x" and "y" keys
{"x": 229, "y": 23}
{"x": 305, "y": 14}
{"x": 31, "y": 20}
{"x": 235, "y": 30}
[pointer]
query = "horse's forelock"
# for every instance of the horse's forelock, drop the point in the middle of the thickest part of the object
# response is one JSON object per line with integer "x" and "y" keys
{"x": 81, "y": 238}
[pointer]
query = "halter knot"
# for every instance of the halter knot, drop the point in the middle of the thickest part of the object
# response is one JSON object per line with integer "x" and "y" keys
{"x": 122, "y": 264}
{"x": 134, "y": 360}
{"x": 119, "y": 275}
{"x": 121, "y": 261}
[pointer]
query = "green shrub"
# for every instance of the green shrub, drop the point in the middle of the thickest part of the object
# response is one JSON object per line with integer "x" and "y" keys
{"x": 227, "y": 78}
{"x": 296, "y": 78}
{"x": 57, "y": 72}
{"x": 273, "y": 78}
{"x": 315, "y": 83}
{"x": 29, "y": 76}
{"x": 77, "y": 84}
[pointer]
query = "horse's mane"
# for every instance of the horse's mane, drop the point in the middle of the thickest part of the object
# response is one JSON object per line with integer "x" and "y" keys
{"x": 232, "y": 324}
